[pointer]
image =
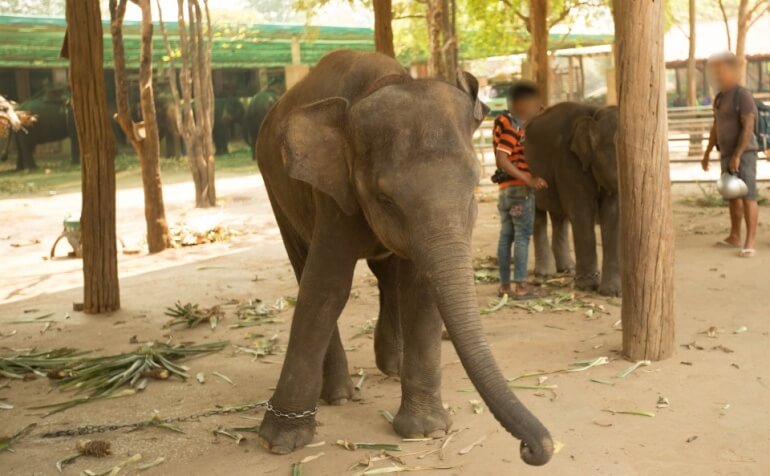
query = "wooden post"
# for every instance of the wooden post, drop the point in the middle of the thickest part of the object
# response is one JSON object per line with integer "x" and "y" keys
{"x": 84, "y": 46}
{"x": 646, "y": 232}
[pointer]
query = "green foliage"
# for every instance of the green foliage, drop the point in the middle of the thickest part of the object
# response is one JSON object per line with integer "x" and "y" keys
{"x": 52, "y": 8}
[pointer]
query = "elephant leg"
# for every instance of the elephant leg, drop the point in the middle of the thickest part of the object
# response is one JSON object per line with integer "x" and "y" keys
{"x": 584, "y": 235}
{"x": 608, "y": 218}
{"x": 544, "y": 264}
{"x": 26, "y": 154}
{"x": 560, "y": 244}
{"x": 323, "y": 292}
{"x": 421, "y": 413}
{"x": 388, "y": 344}
{"x": 337, "y": 387}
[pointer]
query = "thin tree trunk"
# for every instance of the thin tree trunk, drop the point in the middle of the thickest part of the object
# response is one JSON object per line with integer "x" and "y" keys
{"x": 143, "y": 136}
{"x": 449, "y": 46}
{"x": 84, "y": 47}
{"x": 696, "y": 140}
{"x": 538, "y": 18}
{"x": 744, "y": 21}
{"x": 194, "y": 118}
{"x": 646, "y": 234}
{"x": 383, "y": 27}
{"x": 436, "y": 62}
{"x": 726, "y": 20}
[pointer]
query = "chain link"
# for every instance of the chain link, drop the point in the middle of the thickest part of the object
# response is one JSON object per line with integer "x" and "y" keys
{"x": 94, "y": 429}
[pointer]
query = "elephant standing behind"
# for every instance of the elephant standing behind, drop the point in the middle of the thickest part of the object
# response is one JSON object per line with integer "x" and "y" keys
{"x": 55, "y": 122}
{"x": 572, "y": 147}
{"x": 228, "y": 116}
{"x": 354, "y": 171}
{"x": 259, "y": 106}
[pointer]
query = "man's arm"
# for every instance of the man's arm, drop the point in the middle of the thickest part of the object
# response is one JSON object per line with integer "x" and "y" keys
{"x": 501, "y": 158}
{"x": 712, "y": 143}
{"x": 747, "y": 134}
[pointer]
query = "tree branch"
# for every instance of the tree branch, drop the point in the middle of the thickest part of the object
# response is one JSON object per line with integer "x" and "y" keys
{"x": 726, "y": 20}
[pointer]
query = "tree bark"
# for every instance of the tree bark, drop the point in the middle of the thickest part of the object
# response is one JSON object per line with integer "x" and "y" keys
{"x": 143, "y": 136}
{"x": 646, "y": 234}
{"x": 383, "y": 27}
{"x": 538, "y": 18}
{"x": 194, "y": 118}
{"x": 436, "y": 61}
{"x": 696, "y": 140}
{"x": 744, "y": 23}
{"x": 449, "y": 40}
{"x": 84, "y": 47}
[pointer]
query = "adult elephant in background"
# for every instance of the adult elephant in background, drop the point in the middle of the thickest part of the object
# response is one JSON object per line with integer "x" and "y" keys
{"x": 55, "y": 122}
{"x": 572, "y": 147}
{"x": 228, "y": 116}
{"x": 259, "y": 106}
{"x": 354, "y": 171}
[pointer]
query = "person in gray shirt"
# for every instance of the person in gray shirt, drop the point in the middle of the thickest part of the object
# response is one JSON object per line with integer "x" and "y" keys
{"x": 733, "y": 135}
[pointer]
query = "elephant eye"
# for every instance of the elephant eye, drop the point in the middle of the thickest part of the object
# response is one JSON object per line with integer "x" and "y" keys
{"x": 385, "y": 200}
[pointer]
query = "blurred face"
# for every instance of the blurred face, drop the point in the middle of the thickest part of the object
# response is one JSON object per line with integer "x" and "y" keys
{"x": 725, "y": 75}
{"x": 526, "y": 109}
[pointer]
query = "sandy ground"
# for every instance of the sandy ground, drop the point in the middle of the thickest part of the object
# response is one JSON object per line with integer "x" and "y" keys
{"x": 718, "y": 421}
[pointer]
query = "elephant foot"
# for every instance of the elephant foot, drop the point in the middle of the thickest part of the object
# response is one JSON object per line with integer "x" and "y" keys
{"x": 282, "y": 435}
{"x": 587, "y": 282}
{"x": 338, "y": 390}
{"x": 566, "y": 270}
{"x": 427, "y": 422}
{"x": 611, "y": 288}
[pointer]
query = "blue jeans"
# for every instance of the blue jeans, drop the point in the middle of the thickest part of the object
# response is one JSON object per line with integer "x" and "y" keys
{"x": 517, "y": 218}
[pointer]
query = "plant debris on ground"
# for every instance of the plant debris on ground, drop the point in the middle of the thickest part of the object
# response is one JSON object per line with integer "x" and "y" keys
{"x": 181, "y": 235}
{"x": 192, "y": 314}
{"x": 52, "y": 363}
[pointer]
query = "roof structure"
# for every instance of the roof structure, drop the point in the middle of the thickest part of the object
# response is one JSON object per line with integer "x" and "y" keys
{"x": 35, "y": 42}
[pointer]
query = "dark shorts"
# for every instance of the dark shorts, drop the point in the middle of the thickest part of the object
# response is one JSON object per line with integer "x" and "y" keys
{"x": 747, "y": 173}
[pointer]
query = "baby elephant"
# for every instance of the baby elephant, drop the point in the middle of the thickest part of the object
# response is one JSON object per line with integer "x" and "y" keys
{"x": 572, "y": 146}
{"x": 360, "y": 161}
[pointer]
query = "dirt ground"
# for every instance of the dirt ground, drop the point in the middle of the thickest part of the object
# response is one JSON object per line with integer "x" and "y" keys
{"x": 717, "y": 421}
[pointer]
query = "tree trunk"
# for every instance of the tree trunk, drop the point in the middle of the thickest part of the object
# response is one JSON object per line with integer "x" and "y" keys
{"x": 436, "y": 61}
{"x": 84, "y": 47}
{"x": 646, "y": 234}
{"x": 449, "y": 40}
{"x": 696, "y": 140}
{"x": 194, "y": 118}
{"x": 143, "y": 136}
{"x": 383, "y": 27}
{"x": 744, "y": 23}
{"x": 538, "y": 18}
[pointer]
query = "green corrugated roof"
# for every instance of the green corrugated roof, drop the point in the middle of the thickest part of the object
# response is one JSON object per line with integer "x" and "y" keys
{"x": 35, "y": 42}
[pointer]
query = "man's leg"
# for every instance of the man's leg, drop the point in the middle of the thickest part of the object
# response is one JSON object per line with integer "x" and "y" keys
{"x": 504, "y": 243}
{"x": 736, "y": 221}
{"x": 748, "y": 173}
{"x": 523, "y": 213}
{"x": 751, "y": 214}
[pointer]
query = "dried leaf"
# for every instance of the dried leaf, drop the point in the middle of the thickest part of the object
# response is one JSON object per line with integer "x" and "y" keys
{"x": 5, "y": 406}
{"x": 663, "y": 402}
{"x": 582, "y": 365}
{"x": 470, "y": 447}
{"x": 630, "y": 412}
{"x": 158, "y": 461}
{"x": 224, "y": 377}
{"x": 477, "y": 405}
{"x": 310, "y": 458}
{"x": 629, "y": 370}
{"x": 741, "y": 330}
{"x": 200, "y": 378}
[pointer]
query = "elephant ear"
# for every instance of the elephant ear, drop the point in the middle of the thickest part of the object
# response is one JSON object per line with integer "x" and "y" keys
{"x": 583, "y": 141}
{"x": 315, "y": 150}
{"x": 470, "y": 85}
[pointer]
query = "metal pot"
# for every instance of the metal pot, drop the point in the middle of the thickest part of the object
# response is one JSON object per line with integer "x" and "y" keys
{"x": 731, "y": 187}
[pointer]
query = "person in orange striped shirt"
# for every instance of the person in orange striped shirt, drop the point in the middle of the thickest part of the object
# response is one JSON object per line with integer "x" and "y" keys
{"x": 517, "y": 185}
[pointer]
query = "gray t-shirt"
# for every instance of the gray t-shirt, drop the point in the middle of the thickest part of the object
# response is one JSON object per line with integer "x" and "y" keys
{"x": 728, "y": 118}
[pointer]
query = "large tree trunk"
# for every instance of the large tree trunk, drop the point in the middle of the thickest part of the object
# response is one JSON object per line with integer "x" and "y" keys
{"x": 84, "y": 47}
{"x": 646, "y": 234}
{"x": 538, "y": 18}
{"x": 449, "y": 46}
{"x": 696, "y": 140}
{"x": 143, "y": 136}
{"x": 194, "y": 118}
{"x": 383, "y": 27}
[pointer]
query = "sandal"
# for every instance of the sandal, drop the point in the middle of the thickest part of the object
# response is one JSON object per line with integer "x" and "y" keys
{"x": 726, "y": 244}
{"x": 747, "y": 253}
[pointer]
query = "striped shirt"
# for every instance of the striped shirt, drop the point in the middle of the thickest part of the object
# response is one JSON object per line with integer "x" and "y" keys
{"x": 508, "y": 137}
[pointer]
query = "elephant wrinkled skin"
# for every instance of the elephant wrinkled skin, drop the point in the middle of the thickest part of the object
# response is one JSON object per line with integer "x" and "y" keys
{"x": 355, "y": 171}
{"x": 572, "y": 147}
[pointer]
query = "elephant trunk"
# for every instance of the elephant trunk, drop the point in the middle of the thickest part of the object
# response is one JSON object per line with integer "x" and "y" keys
{"x": 448, "y": 264}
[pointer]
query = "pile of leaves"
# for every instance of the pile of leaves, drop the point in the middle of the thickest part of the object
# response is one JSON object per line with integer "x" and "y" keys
{"x": 50, "y": 363}
{"x": 182, "y": 236}
{"x": 485, "y": 270}
{"x": 191, "y": 315}
{"x": 556, "y": 302}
